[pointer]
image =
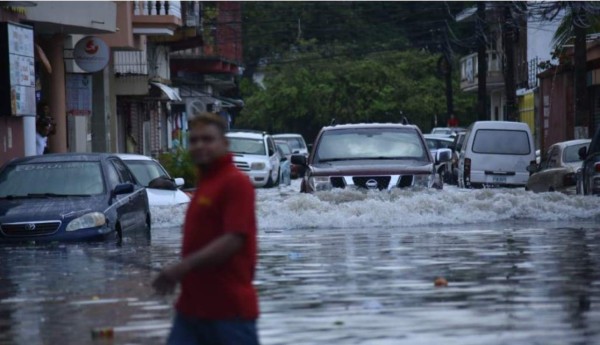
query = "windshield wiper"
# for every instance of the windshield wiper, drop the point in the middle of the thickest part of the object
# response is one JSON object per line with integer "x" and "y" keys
{"x": 54, "y": 195}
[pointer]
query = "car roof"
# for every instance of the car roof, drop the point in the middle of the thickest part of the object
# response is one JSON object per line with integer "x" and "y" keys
{"x": 438, "y": 137}
{"x": 499, "y": 125}
{"x": 63, "y": 157}
{"x": 368, "y": 125}
{"x": 133, "y": 157}
{"x": 573, "y": 142}
{"x": 287, "y": 135}
{"x": 248, "y": 135}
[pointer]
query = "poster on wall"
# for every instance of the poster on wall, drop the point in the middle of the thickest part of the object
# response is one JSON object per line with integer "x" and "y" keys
{"x": 17, "y": 82}
{"x": 79, "y": 94}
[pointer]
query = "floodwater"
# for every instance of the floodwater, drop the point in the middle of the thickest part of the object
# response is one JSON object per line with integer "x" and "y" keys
{"x": 343, "y": 267}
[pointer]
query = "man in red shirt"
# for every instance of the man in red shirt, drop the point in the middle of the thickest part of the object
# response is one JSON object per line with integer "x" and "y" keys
{"x": 452, "y": 121}
{"x": 218, "y": 303}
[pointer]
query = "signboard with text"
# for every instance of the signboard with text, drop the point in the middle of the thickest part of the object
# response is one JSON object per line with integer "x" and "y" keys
{"x": 79, "y": 94}
{"x": 17, "y": 79}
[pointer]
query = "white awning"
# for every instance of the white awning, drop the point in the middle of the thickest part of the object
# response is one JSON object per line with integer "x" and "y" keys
{"x": 170, "y": 92}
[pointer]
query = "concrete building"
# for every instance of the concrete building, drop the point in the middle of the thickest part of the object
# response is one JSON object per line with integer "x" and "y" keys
{"x": 55, "y": 26}
{"x": 469, "y": 64}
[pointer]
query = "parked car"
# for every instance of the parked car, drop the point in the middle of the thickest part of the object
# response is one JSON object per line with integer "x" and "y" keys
{"x": 70, "y": 197}
{"x": 161, "y": 188}
{"x": 255, "y": 154}
{"x": 298, "y": 146}
{"x": 558, "y": 171}
{"x": 447, "y": 131}
{"x": 286, "y": 162}
{"x": 435, "y": 143}
{"x": 457, "y": 147}
{"x": 589, "y": 175}
{"x": 370, "y": 156}
{"x": 496, "y": 154}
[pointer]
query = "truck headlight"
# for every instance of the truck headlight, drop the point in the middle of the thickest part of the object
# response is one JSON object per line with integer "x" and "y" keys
{"x": 423, "y": 180}
{"x": 320, "y": 183}
{"x": 90, "y": 220}
{"x": 257, "y": 166}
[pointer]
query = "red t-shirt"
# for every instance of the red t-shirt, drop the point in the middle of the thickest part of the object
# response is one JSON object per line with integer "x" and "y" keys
{"x": 453, "y": 122}
{"x": 223, "y": 203}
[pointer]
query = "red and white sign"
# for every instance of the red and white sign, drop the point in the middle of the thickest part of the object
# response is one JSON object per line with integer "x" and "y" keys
{"x": 91, "y": 54}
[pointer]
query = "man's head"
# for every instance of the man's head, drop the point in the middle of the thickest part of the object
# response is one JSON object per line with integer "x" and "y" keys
{"x": 451, "y": 116}
{"x": 207, "y": 138}
{"x": 43, "y": 126}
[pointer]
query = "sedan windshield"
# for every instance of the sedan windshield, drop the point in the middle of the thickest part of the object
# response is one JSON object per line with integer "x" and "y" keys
{"x": 52, "y": 179}
{"x": 145, "y": 171}
{"x": 371, "y": 143}
{"x": 247, "y": 146}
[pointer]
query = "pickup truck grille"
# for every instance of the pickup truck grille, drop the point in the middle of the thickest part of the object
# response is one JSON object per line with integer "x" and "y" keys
{"x": 243, "y": 166}
{"x": 372, "y": 182}
{"x": 30, "y": 229}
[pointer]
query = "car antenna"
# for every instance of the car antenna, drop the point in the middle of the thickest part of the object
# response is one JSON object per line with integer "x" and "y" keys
{"x": 332, "y": 123}
{"x": 404, "y": 120}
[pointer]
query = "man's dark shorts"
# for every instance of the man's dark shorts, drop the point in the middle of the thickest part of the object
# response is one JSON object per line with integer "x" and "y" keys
{"x": 191, "y": 331}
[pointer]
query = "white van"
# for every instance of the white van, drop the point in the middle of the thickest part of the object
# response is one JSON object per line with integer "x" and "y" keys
{"x": 496, "y": 154}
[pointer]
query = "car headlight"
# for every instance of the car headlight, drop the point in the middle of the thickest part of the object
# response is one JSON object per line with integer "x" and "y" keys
{"x": 320, "y": 183}
{"x": 90, "y": 220}
{"x": 257, "y": 166}
{"x": 423, "y": 181}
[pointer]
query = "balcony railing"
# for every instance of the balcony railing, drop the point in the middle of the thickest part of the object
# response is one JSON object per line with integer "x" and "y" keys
{"x": 469, "y": 71}
{"x": 156, "y": 18}
{"x": 157, "y": 8}
{"x": 131, "y": 63}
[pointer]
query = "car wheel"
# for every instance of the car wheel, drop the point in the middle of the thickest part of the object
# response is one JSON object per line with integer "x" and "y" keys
{"x": 270, "y": 183}
{"x": 148, "y": 222}
{"x": 278, "y": 178}
{"x": 119, "y": 232}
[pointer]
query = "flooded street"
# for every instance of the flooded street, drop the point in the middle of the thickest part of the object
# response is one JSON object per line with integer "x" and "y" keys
{"x": 344, "y": 267}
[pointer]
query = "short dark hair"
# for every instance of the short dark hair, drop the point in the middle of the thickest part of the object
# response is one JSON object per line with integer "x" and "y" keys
{"x": 209, "y": 119}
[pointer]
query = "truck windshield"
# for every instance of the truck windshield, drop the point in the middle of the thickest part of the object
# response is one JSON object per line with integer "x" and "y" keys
{"x": 371, "y": 143}
{"x": 247, "y": 146}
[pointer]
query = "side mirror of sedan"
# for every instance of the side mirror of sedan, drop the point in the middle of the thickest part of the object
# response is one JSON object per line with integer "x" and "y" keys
{"x": 179, "y": 182}
{"x": 283, "y": 159}
{"x": 443, "y": 156}
{"x": 582, "y": 153}
{"x": 299, "y": 160}
{"x": 123, "y": 188}
{"x": 532, "y": 167}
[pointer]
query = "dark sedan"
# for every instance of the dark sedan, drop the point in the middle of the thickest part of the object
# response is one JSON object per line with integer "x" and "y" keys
{"x": 70, "y": 197}
{"x": 370, "y": 156}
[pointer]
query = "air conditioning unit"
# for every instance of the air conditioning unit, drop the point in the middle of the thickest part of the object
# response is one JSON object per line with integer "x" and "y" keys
{"x": 70, "y": 65}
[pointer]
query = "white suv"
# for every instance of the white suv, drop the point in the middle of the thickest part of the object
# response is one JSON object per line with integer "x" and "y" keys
{"x": 255, "y": 154}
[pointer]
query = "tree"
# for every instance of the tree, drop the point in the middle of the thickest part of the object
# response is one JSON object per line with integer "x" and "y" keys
{"x": 306, "y": 94}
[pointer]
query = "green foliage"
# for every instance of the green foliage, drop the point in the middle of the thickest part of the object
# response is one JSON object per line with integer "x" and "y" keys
{"x": 304, "y": 95}
{"x": 179, "y": 164}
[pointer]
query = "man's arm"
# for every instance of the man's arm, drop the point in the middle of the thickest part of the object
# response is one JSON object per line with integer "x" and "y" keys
{"x": 214, "y": 254}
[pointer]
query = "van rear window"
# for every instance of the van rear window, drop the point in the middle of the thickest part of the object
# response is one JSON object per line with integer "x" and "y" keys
{"x": 502, "y": 142}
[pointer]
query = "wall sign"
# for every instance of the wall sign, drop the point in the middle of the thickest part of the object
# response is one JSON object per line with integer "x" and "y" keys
{"x": 91, "y": 54}
{"x": 79, "y": 94}
{"x": 17, "y": 80}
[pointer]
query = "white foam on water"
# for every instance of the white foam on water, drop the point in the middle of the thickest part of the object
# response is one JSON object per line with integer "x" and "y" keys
{"x": 286, "y": 208}
{"x": 167, "y": 216}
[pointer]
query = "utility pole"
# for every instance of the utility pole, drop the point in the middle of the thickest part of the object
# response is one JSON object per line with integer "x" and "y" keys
{"x": 580, "y": 72}
{"x": 445, "y": 69}
{"x": 508, "y": 42}
{"x": 481, "y": 62}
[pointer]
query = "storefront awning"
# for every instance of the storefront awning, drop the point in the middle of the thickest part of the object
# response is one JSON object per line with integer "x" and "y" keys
{"x": 170, "y": 92}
